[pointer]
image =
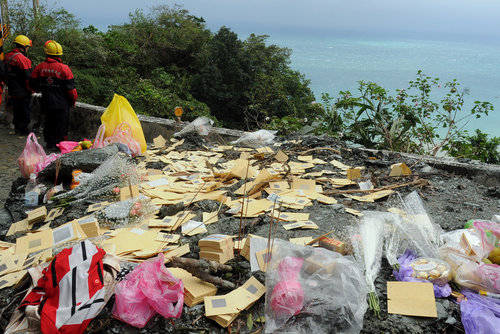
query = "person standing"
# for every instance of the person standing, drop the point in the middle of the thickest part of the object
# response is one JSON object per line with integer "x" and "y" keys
{"x": 55, "y": 81}
{"x": 18, "y": 69}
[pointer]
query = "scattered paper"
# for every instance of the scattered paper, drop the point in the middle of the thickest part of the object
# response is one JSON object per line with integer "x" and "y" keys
{"x": 411, "y": 298}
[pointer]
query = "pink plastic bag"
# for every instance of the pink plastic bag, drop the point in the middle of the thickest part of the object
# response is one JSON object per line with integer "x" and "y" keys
{"x": 123, "y": 134}
{"x": 48, "y": 160}
{"x": 67, "y": 146}
{"x": 32, "y": 158}
{"x": 99, "y": 137}
{"x": 148, "y": 289}
{"x": 489, "y": 232}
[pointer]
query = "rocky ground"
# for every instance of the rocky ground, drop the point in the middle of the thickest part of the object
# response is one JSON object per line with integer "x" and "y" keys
{"x": 450, "y": 200}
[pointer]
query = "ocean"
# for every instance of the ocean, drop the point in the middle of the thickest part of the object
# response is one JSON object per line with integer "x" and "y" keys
{"x": 335, "y": 63}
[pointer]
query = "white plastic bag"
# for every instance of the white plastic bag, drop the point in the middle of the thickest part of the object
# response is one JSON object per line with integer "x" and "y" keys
{"x": 202, "y": 126}
{"x": 313, "y": 290}
{"x": 257, "y": 138}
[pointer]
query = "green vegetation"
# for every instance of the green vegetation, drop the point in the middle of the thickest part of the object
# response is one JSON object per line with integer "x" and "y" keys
{"x": 168, "y": 58}
{"x": 407, "y": 122}
{"x": 477, "y": 147}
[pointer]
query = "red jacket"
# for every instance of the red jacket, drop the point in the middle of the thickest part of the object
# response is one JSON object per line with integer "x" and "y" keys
{"x": 18, "y": 69}
{"x": 56, "y": 83}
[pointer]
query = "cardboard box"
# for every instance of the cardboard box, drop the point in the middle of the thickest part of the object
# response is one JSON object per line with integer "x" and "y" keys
{"x": 332, "y": 244}
{"x": 37, "y": 215}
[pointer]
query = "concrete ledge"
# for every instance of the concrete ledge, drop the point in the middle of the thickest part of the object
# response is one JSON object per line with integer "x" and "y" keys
{"x": 85, "y": 120}
{"x": 485, "y": 174}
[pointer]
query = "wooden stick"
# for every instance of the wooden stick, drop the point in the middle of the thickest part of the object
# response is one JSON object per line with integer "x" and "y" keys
{"x": 389, "y": 187}
{"x": 130, "y": 189}
{"x": 203, "y": 269}
{"x": 318, "y": 238}
{"x": 243, "y": 203}
{"x": 58, "y": 167}
{"x": 319, "y": 149}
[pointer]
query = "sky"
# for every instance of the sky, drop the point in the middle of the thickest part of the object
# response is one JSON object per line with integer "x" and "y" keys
{"x": 416, "y": 18}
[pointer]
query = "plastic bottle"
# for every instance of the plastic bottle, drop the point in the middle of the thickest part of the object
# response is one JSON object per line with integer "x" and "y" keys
{"x": 30, "y": 192}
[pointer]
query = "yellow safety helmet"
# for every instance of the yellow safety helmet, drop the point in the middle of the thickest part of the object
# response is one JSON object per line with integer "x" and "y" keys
{"x": 53, "y": 48}
{"x": 23, "y": 40}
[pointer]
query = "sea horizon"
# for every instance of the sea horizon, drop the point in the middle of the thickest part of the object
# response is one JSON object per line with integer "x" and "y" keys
{"x": 337, "y": 61}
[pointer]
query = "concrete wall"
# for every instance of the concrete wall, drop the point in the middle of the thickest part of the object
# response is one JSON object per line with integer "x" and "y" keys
{"x": 85, "y": 120}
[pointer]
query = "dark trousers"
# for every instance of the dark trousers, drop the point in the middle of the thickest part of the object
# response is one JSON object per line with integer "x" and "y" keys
{"x": 56, "y": 125}
{"x": 22, "y": 114}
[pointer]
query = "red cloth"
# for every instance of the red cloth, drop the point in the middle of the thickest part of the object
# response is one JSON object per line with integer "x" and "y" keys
{"x": 56, "y": 83}
{"x": 71, "y": 291}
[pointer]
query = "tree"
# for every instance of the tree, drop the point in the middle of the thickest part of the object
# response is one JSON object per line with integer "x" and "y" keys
{"x": 246, "y": 82}
{"x": 224, "y": 80}
{"x": 411, "y": 121}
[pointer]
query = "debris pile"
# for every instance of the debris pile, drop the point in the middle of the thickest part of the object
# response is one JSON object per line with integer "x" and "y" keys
{"x": 317, "y": 230}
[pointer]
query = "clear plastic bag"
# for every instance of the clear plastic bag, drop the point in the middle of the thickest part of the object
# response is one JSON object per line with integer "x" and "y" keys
{"x": 418, "y": 232}
{"x": 423, "y": 229}
{"x": 395, "y": 240}
{"x": 114, "y": 173}
{"x": 470, "y": 272}
{"x": 313, "y": 290}
{"x": 124, "y": 213}
{"x": 149, "y": 289}
{"x": 257, "y": 138}
{"x": 466, "y": 242}
{"x": 202, "y": 126}
{"x": 99, "y": 137}
{"x": 123, "y": 134}
{"x": 406, "y": 273}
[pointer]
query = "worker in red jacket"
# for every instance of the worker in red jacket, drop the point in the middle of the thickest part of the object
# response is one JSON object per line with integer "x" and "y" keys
{"x": 56, "y": 83}
{"x": 18, "y": 70}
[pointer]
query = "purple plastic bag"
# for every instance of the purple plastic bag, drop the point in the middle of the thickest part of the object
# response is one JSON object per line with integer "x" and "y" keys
{"x": 148, "y": 289}
{"x": 480, "y": 314}
{"x": 405, "y": 271}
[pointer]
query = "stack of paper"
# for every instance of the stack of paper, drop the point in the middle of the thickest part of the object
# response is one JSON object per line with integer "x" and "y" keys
{"x": 225, "y": 308}
{"x": 217, "y": 247}
{"x": 195, "y": 290}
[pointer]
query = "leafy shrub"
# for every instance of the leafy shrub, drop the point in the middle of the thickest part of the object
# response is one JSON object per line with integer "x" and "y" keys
{"x": 477, "y": 147}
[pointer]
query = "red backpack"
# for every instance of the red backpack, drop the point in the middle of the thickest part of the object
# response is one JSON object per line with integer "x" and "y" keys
{"x": 71, "y": 291}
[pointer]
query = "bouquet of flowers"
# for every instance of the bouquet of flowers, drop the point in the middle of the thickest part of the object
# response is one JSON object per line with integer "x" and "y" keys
{"x": 116, "y": 172}
{"x": 127, "y": 212}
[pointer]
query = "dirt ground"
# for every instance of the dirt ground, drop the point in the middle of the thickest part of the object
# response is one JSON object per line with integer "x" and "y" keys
{"x": 11, "y": 146}
{"x": 451, "y": 200}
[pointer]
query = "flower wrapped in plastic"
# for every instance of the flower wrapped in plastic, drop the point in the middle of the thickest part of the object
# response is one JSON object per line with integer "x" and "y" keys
{"x": 128, "y": 212}
{"x": 116, "y": 172}
{"x": 313, "y": 290}
{"x": 367, "y": 241}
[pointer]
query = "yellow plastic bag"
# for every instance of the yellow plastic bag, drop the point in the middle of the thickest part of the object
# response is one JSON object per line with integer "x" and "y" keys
{"x": 119, "y": 111}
